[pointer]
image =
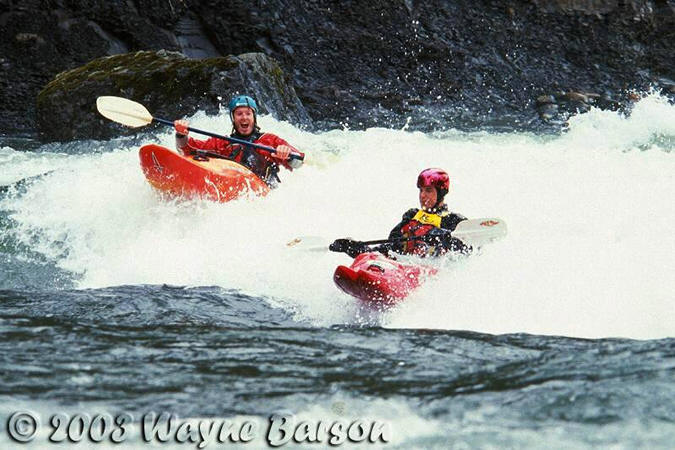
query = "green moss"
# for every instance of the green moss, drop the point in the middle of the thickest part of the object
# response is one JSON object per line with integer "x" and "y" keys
{"x": 166, "y": 82}
{"x": 278, "y": 77}
{"x": 142, "y": 73}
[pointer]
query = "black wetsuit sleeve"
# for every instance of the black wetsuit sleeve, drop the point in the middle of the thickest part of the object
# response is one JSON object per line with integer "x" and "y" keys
{"x": 453, "y": 244}
{"x": 451, "y": 221}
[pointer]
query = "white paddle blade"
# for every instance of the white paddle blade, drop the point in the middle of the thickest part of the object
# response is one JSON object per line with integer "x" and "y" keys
{"x": 477, "y": 232}
{"x": 124, "y": 111}
{"x": 308, "y": 243}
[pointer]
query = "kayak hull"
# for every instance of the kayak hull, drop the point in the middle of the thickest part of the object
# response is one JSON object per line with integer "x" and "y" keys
{"x": 215, "y": 179}
{"x": 377, "y": 280}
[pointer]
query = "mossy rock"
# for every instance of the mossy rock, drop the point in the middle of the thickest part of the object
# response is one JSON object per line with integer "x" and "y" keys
{"x": 169, "y": 84}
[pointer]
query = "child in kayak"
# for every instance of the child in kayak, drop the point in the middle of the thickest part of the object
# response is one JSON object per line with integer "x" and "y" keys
{"x": 424, "y": 231}
{"x": 243, "y": 112}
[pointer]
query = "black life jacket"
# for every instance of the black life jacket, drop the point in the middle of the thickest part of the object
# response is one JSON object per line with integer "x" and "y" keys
{"x": 248, "y": 156}
{"x": 421, "y": 223}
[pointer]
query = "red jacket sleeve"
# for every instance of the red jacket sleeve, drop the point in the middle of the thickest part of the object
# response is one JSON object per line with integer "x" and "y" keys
{"x": 211, "y": 144}
{"x": 272, "y": 140}
{"x": 224, "y": 148}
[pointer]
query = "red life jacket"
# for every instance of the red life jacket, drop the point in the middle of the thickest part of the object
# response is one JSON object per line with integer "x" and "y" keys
{"x": 261, "y": 163}
{"x": 419, "y": 225}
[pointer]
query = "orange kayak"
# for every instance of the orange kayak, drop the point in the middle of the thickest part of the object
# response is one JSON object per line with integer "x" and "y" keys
{"x": 214, "y": 179}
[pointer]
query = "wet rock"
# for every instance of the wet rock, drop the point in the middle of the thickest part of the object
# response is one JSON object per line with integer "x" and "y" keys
{"x": 634, "y": 96}
{"x": 29, "y": 38}
{"x": 472, "y": 65}
{"x": 548, "y": 111}
{"x": 168, "y": 84}
{"x": 545, "y": 99}
{"x": 666, "y": 85}
{"x": 576, "y": 6}
{"x": 606, "y": 101}
{"x": 575, "y": 97}
{"x": 560, "y": 105}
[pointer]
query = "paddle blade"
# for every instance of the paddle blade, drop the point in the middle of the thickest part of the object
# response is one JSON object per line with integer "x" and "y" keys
{"x": 308, "y": 243}
{"x": 477, "y": 232}
{"x": 124, "y": 111}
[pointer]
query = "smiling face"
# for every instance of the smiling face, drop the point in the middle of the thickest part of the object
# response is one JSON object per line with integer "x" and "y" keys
{"x": 428, "y": 197}
{"x": 244, "y": 120}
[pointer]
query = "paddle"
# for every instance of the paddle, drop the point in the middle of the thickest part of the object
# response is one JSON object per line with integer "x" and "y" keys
{"x": 473, "y": 232}
{"x": 132, "y": 114}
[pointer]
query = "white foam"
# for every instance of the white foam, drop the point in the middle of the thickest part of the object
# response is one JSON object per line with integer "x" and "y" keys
{"x": 590, "y": 214}
{"x": 18, "y": 165}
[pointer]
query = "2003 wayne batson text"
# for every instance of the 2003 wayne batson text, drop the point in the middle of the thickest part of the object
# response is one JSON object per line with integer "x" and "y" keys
{"x": 282, "y": 428}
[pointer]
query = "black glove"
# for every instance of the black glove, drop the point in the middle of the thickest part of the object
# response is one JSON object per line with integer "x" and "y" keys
{"x": 348, "y": 246}
{"x": 438, "y": 236}
{"x": 444, "y": 239}
{"x": 383, "y": 248}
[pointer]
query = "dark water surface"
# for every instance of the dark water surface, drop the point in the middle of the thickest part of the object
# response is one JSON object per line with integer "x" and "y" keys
{"x": 209, "y": 352}
{"x": 216, "y": 353}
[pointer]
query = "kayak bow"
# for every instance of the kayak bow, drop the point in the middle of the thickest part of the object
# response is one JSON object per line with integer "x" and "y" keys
{"x": 198, "y": 176}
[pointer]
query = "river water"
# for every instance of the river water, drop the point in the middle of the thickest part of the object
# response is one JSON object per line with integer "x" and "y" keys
{"x": 117, "y": 305}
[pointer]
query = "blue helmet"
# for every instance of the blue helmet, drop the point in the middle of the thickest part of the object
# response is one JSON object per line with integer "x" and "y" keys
{"x": 243, "y": 100}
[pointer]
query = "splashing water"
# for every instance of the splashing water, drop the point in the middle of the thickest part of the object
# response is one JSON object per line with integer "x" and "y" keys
{"x": 590, "y": 213}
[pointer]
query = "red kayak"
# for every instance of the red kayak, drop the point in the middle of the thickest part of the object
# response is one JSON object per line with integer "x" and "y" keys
{"x": 214, "y": 179}
{"x": 378, "y": 280}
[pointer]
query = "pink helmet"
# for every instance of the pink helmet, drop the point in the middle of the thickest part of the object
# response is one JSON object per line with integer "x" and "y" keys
{"x": 437, "y": 178}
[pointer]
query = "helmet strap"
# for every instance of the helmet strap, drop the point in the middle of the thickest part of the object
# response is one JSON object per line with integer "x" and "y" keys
{"x": 440, "y": 196}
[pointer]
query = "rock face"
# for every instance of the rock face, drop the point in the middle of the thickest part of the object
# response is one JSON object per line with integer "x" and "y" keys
{"x": 462, "y": 63}
{"x": 167, "y": 83}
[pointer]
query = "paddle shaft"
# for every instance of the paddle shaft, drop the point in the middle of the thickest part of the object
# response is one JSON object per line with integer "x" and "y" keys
{"x": 351, "y": 243}
{"x": 227, "y": 138}
{"x": 394, "y": 241}
{"x": 385, "y": 241}
{"x": 459, "y": 233}
{"x": 470, "y": 232}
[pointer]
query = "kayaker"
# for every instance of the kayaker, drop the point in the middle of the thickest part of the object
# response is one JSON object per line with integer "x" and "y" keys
{"x": 423, "y": 231}
{"x": 427, "y": 230}
{"x": 243, "y": 113}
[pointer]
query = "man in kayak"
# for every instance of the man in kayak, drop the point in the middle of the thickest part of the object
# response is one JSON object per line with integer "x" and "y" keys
{"x": 424, "y": 231}
{"x": 243, "y": 113}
